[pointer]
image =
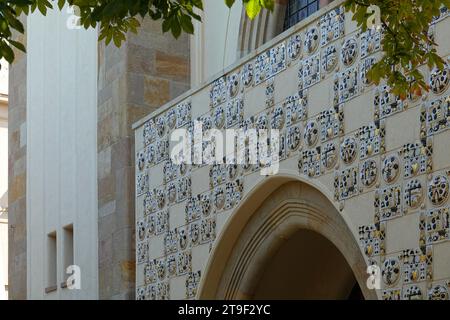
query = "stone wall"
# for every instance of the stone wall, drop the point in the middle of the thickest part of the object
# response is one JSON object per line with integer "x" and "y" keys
{"x": 150, "y": 69}
{"x": 382, "y": 163}
{"x": 17, "y": 240}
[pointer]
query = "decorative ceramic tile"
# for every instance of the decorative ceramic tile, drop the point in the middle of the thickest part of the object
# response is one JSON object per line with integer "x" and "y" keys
{"x": 345, "y": 85}
{"x": 262, "y": 121}
{"x": 417, "y": 265}
{"x": 311, "y": 42}
{"x": 183, "y": 238}
{"x": 141, "y": 229}
{"x": 270, "y": 92}
{"x": 413, "y": 194}
{"x": 329, "y": 155}
{"x": 349, "y": 150}
{"x": 329, "y": 58}
{"x": 161, "y": 268}
{"x": 150, "y": 273}
{"x": 388, "y": 204}
{"x": 262, "y": 67}
{"x": 183, "y": 188}
{"x": 368, "y": 173}
{"x": 161, "y": 151}
{"x": 219, "y": 117}
{"x": 417, "y": 158}
{"x": 331, "y": 123}
{"x": 332, "y": 25}
{"x": 391, "y": 295}
{"x": 192, "y": 282}
{"x": 205, "y": 203}
{"x": 386, "y": 104}
{"x": 141, "y": 183}
{"x": 370, "y": 42}
{"x": 141, "y": 293}
{"x": 277, "y": 118}
{"x": 151, "y": 225}
{"x": 160, "y": 123}
{"x": 218, "y": 93}
{"x": 439, "y": 79}
{"x": 296, "y": 107}
{"x": 171, "y": 241}
{"x": 247, "y": 75}
{"x": 140, "y": 160}
{"x": 142, "y": 252}
{"x": 391, "y": 168}
{"x": 412, "y": 293}
{"x": 233, "y": 84}
{"x": 217, "y": 175}
{"x": 162, "y": 291}
{"x": 233, "y": 193}
{"x": 183, "y": 114}
{"x": 171, "y": 192}
{"x": 277, "y": 58}
{"x": 194, "y": 233}
{"x": 309, "y": 163}
{"x": 149, "y": 132}
{"x": 171, "y": 118}
{"x": 150, "y": 202}
{"x": 151, "y": 292}
{"x": 150, "y": 155}
{"x": 390, "y": 271}
{"x": 309, "y": 71}
{"x": 438, "y": 190}
{"x": 346, "y": 183}
{"x": 349, "y": 51}
{"x": 438, "y": 292}
{"x": 435, "y": 117}
{"x": 162, "y": 222}
{"x": 219, "y": 198}
{"x": 372, "y": 239}
{"x": 208, "y": 230}
{"x": 311, "y": 134}
{"x": 293, "y": 138}
{"x": 294, "y": 47}
{"x": 184, "y": 262}
{"x": 434, "y": 226}
{"x": 364, "y": 67}
{"x": 235, "y": 112}
{"x": 371, "y": 139}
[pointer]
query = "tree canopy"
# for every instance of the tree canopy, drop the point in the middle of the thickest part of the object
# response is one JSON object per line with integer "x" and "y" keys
{"x": 407, "y": 42}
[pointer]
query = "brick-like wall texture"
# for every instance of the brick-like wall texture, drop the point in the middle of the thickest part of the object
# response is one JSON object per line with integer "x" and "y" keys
{"x": 150, "y": 69}
{"x": 17, "y": 144}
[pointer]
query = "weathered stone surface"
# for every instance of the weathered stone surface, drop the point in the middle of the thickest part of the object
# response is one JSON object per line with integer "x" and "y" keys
{"x": 133, "y": 80}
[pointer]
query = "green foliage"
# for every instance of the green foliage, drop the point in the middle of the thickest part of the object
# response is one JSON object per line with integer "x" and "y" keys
{"x": 406, "y": 44}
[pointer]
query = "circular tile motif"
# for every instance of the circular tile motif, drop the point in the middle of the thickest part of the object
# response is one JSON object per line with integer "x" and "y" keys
{"x": 311, "y": 40}
{"x": 390, "y": 271}
{"x": 329, "y": 155}
{"x": 349, "y": 52}
{"x": 438, "y": 190}
{"x": 391, "y": 168}
{"x": 294, "y": 46}
{"x": 439, "y": 79}
{"x": 311, "y": 134}
{"x": 368, "y": 173}
{"x": 348, "y": 150}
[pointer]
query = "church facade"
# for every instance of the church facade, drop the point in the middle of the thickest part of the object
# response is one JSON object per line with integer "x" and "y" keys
{"x": 350, "y": 200}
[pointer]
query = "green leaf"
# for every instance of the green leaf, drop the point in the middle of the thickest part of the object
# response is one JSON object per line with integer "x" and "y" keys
{"x": 252, "y": 7}
{"x": 18, "y": 45}
{"x": 229, "y": 3}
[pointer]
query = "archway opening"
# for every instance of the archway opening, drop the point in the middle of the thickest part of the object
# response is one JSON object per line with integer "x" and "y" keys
{"x": 307, "y": 266}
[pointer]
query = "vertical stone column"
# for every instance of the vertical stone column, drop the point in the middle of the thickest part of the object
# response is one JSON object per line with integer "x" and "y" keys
{"x": 150, "y": 69}
{"x": 17, "y": 145}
